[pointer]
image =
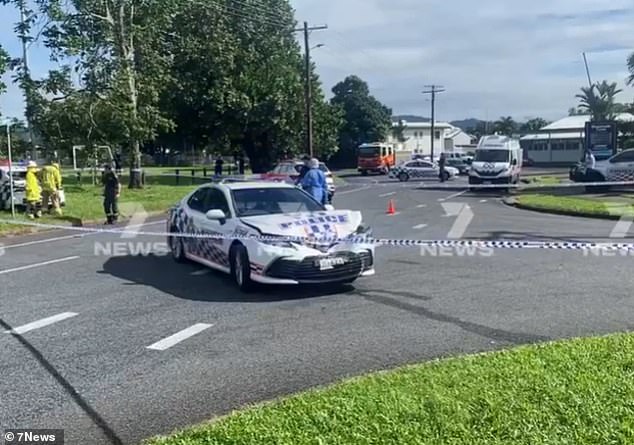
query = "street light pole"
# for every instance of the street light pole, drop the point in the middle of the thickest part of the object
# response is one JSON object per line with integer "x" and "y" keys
{"x": 10, "y": 169}
{"x": 433, "y": 90}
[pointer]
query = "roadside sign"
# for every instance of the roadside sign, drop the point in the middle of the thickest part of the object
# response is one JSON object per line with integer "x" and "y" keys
{"x": 601, "y": 139}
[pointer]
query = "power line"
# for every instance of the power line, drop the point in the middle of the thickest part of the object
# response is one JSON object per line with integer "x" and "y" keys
{"x": 433, "y": 90}
{"x": 236, "y": 12}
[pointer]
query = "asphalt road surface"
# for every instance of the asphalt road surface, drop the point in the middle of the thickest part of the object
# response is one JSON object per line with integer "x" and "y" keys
{"x": 92, "y": 348}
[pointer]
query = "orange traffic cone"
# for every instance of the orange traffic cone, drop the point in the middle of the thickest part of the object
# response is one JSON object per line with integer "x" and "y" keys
{"x": 391, "y": 210}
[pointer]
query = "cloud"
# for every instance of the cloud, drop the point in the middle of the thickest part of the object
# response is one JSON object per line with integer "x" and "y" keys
{"x": 495, "y": 57}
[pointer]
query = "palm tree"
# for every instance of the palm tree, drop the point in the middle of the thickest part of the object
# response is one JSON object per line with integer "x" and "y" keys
{"x": 630, "y": 67}
{"x": 533, "y": 125}
{"x": 506, "y": 126}
{"x": 599, "y": 100}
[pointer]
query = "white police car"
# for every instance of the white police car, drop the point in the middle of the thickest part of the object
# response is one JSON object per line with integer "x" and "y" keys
{"x": 421, "y": 169}
{"x": 300, "y": 241}
{"x": 619, "y": 168}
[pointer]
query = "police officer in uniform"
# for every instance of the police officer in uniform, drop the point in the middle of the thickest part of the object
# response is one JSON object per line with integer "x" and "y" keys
{"x": 111, "y": 193}
{"x": 442, "y": 162}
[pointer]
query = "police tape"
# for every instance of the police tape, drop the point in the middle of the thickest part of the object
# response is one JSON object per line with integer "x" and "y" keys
{"x": 352, "y": 239}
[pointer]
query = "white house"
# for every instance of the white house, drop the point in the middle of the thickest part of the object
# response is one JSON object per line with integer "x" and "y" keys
{"x": 417, "y": 135}
{"x": 561, "y": 142}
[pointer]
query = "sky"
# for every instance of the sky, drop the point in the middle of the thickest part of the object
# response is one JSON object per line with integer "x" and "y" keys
{"x": 493, "y": 59}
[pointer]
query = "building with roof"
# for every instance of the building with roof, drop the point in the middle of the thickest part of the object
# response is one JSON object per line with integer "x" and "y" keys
{"x": 417, "y": 138}
{"x": 561, "y": 142}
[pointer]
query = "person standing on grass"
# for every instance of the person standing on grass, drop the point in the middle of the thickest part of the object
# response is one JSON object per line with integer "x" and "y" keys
{"x": 111, "y": 193}
{"x": 590, "y": 160}
{"x": 33, "y": 191}
{"x": 51, "y": 186}
{"x": 219, "y": 163}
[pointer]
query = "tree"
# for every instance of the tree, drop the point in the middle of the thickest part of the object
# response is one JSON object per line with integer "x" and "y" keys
{"x": 365, "y": 118}
{"x": 398, "y": 131}
{"x": 630, "y": 67}
{"x": 4, "y": 66}
{"x": 119, "y": 50}
{"x": 599, "y": 100}
{"x": 506, "y": 126}
{"x": 533, "y": 125}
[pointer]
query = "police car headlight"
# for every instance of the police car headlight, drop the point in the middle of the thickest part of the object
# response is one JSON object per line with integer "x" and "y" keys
{"x": 275, "y": 241}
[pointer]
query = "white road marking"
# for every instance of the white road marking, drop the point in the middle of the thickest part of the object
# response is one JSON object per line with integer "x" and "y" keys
{"x": 420, "y": 226}
{"x": 172, "y": 340}
{"x": 421, "y": 206}
{"x": 32, "y": 266}
{"x": 483, "y": 200}
{"x": 200, "y": 272}
{"x": 385, "y": 195}
{"x": 41, "y": 323}
{"x": 346, "y": 192}
{"x": 455, "y": 195}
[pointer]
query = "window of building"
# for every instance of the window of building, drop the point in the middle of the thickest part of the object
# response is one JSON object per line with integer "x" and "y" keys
{"x": 437, "y": 135}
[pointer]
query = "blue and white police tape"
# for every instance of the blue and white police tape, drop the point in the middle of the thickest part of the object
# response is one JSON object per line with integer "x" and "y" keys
{"x": 529, "y": 186}
{"x": 352, "y": 239}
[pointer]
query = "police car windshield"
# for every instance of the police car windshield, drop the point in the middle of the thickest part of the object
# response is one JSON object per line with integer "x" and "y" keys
{"x": 272, "y": 201}
{"x": 492, "y": 156}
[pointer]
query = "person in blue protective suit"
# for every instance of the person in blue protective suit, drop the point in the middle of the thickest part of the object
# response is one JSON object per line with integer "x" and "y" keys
{"x": 314, "y": 182}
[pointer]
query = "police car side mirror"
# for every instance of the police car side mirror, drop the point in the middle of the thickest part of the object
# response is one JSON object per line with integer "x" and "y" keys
{"x": 329, "y": 207}
{"x": 216, "y": 215}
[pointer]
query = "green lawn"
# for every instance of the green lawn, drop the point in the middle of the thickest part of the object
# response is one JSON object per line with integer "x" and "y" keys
{"x": 84, "y": 203}
{"x": 605, "y": 207}
{"x": 575, "y": 392}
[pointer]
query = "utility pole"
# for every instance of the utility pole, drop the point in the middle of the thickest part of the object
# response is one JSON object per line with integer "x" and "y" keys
{"x": 27, "y": 80}
{"x": 585, "y": 61}
{"x": 433, "y": 90}
{"x": 307, "y": 87}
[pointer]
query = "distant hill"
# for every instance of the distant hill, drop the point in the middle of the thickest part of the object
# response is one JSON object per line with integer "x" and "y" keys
{"x": 410, "y": 118}
{"x": 466, "y": 124}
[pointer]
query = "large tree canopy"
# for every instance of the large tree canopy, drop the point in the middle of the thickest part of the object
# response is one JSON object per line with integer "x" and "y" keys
{"x": 366, "y": 119}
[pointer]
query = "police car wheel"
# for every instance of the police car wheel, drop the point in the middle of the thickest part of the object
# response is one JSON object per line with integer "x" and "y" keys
{"x": 241, "y": 268}
{"x": 403, "y": 177}
{"x": 177, "y": 248}
{"x": 447, "y": 176}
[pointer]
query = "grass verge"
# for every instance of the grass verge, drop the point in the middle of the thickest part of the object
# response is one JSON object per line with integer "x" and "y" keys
{"x": 572, "y": 392}
{"x": 577, "y": 206}
{"x": 84, "y": 204}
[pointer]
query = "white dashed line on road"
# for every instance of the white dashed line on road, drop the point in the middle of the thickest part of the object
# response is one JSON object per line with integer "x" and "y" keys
{"x": 420, "y": 226}
{"x": 483, "y": 200}
{"x": 43, "y": 241}
{"x": 385, "y": 195}
{"x": 200, "y": 272}
{"x": 41, "y": 323}
{"x": 421, "y": 206}
{"x": 32, "y": 266}
{"x": 172, "y": 340}
{"x": 455, "y": 195}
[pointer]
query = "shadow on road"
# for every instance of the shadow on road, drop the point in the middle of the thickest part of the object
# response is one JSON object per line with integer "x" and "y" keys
{"x": 195, "y": 282}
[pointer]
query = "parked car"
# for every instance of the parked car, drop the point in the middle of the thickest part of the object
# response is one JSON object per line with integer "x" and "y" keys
{"x": 423, "y": 170}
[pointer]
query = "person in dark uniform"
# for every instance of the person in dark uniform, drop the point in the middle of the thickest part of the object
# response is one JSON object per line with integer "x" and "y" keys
{"x": 219, "y": 163}
{"x": 442, "y": 162}
{"x": 241, "y": 165}
{"x": 117, "y": 163}
{"x": 303, "y": 170}
{"x": 111, "y": 193}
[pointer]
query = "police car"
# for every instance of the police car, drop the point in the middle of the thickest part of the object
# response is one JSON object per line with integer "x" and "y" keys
{"x": 619, "y": 168}
{"x": 300, "y": 240}
{"x": 420, "y": 169}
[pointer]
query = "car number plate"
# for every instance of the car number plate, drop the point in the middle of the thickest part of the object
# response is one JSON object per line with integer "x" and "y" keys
{"x": 486, "y": 182}
{"x": 329, "y": 263}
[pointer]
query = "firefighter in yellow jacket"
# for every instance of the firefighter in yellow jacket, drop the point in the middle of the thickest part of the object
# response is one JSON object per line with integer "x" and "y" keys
{"x": 33, "y": 191}
{"x": 51, "y": 185}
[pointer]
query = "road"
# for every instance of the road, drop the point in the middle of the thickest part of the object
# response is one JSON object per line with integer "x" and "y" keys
{"x": 114, "y": 349}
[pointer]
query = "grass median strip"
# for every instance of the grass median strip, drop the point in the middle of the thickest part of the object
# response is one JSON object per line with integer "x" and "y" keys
{"x": 572, "y": 392}
{"x": 594, "y": 207}
{"x": 84, "y": 204}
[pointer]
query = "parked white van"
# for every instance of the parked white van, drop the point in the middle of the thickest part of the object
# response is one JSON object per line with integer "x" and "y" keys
{"x": 498, "y": 160}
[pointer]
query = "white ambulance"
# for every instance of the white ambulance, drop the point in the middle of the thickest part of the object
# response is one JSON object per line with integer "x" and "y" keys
{"x": 498, "y": 160}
